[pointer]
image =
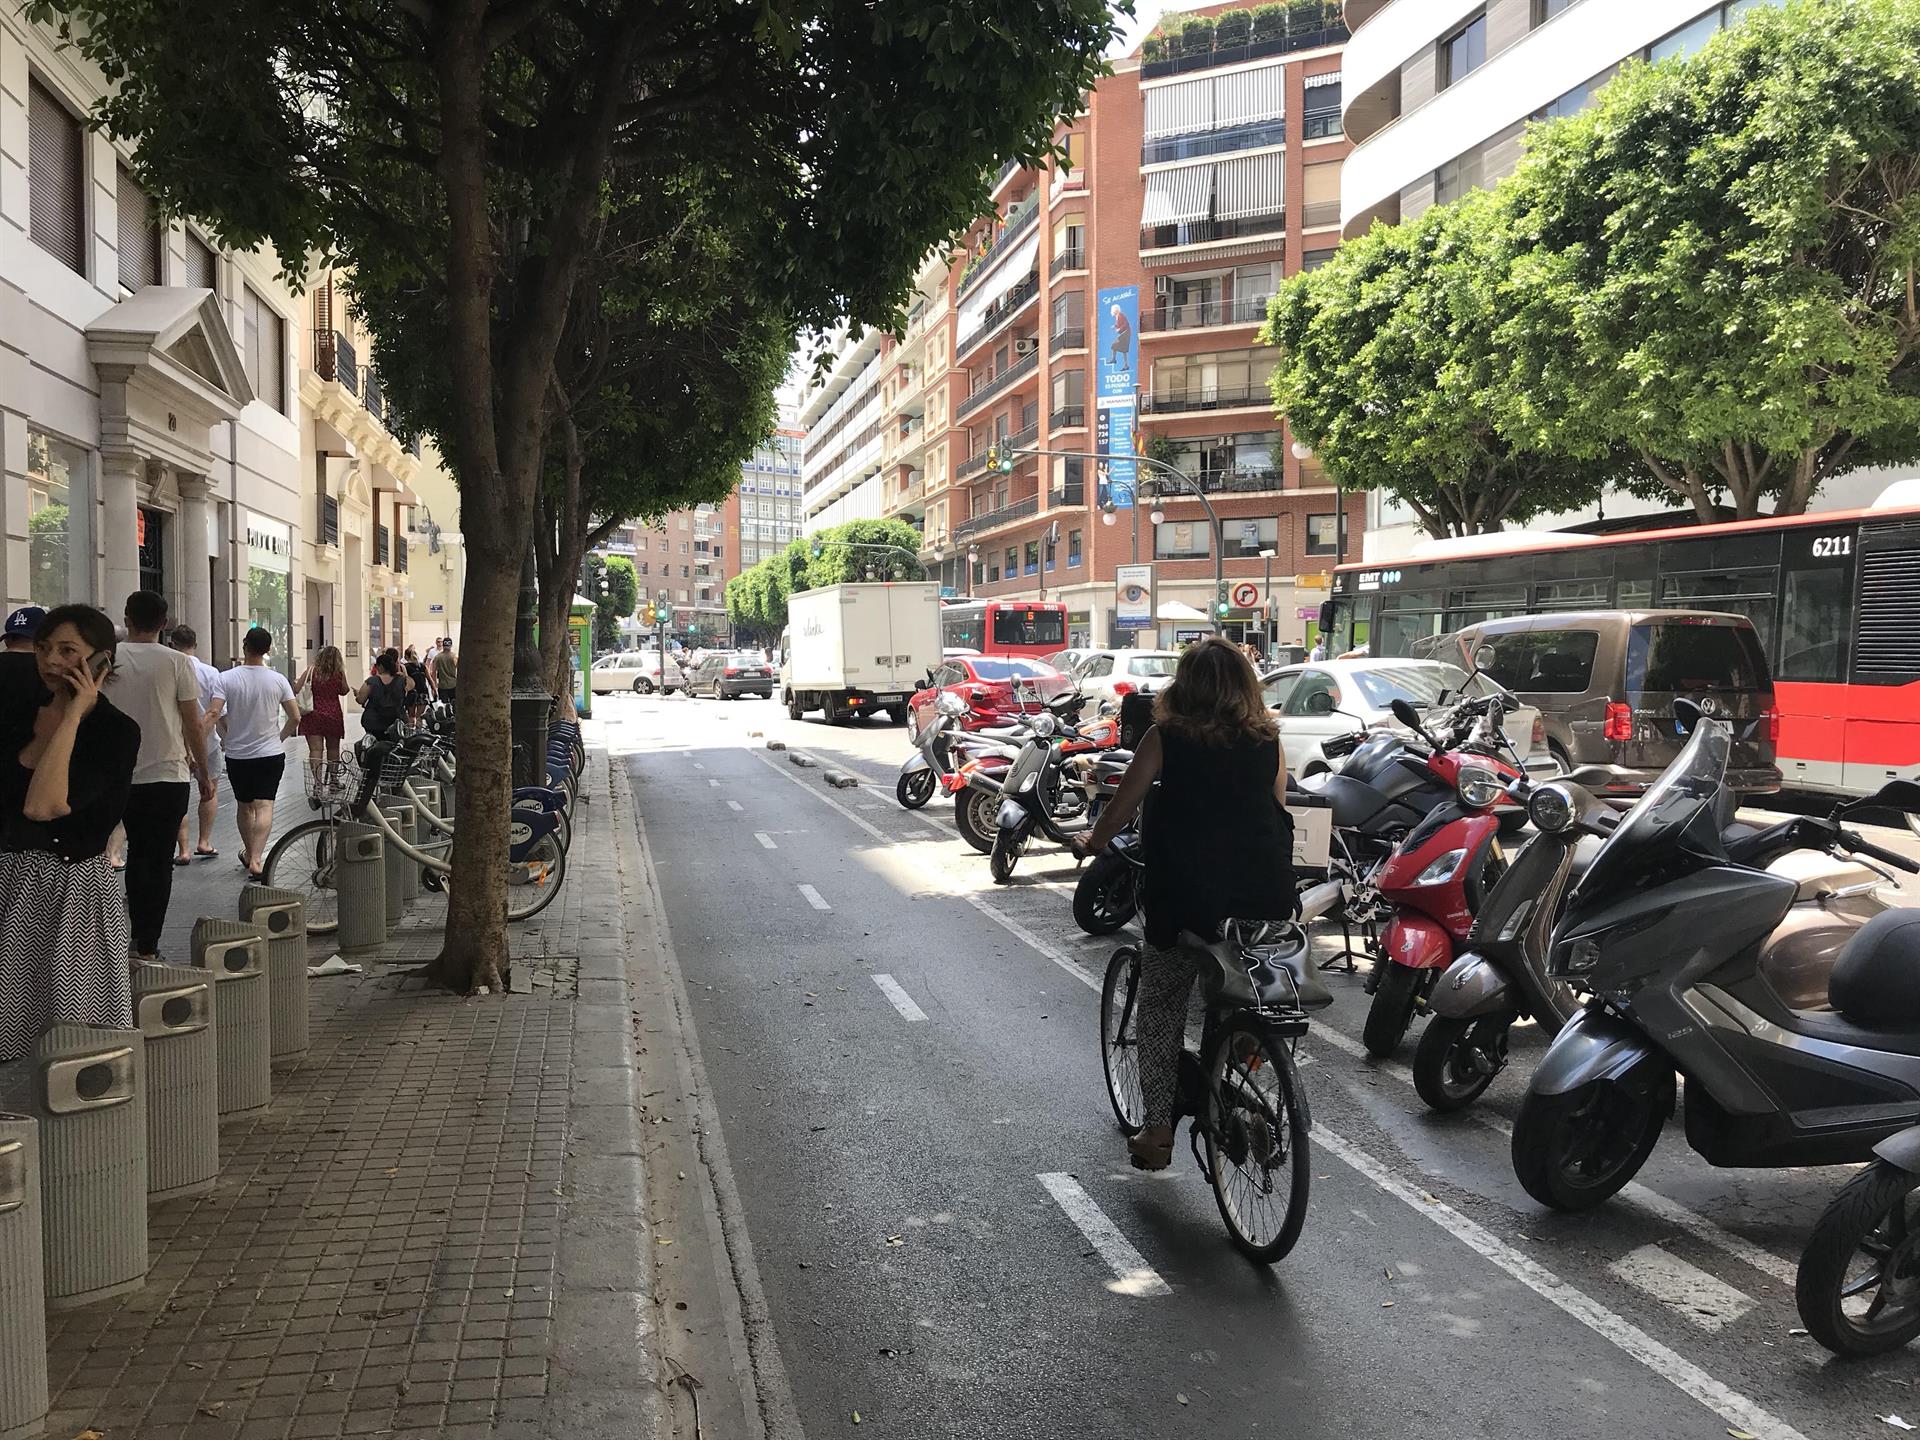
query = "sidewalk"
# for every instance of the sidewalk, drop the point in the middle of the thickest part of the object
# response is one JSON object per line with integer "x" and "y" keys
{"x": 436, "y": 1229}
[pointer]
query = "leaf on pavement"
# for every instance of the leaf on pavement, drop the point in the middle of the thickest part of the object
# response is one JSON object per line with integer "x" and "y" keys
{"x": 1181, "y": 1398}
{"x": 895, "y": 1240}
{"x": 1742, "y": 1435}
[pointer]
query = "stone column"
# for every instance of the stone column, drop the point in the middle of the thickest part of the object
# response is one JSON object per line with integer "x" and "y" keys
{"x": 120, "y": 477}
{"x": 195, "y": 493}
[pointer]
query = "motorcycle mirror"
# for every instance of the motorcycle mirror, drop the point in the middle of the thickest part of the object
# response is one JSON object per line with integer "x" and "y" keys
{"x": 1894, "y": 795}
{"x": 1686, "y": 715}
{"x": 1319, "y": 703}
{"x": 1406, "y": 714}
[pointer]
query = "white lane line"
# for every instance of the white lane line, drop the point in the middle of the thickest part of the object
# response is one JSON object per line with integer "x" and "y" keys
{"x": 902, "y": 1001}
{"x": 915, "y": 834}
{"x": 1131, "y": 1273}
{"x": 1634, "y": 1193}
{"x": 766, "y": 840}
{"x": 1689, "y": 1291}
{"x": 735, "y": 806}
{"x": 698, "y": 766}
{"x": 713, "y": 784}
{"x": 812, "y": 897}
{"x": 1740, "y": 1411}
{"x": 1685, "y": 1376}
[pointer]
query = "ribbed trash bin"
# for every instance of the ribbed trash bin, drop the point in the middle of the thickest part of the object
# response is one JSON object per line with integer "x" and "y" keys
{"x": 86, "y": 1085}
{"x": 23, "y": 1283}
{"x": 234, "y": 955}
{"x": 173, "y": 1010}
{"x": 360, "y": 872}
{"x": 283, "y": 915}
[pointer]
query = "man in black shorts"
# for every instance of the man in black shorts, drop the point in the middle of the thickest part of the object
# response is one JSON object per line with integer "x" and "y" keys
{"x": 255, "y": 699}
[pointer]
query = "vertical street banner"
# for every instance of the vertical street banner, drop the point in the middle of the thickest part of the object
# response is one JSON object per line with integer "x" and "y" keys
{"x": 1116, "y": 394}
{"x": 1133, "y": 597}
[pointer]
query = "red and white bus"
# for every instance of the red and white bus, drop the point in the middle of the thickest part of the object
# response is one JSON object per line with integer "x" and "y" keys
{"x": 1834, "y": 597}
{"x": 1004, "y": 627}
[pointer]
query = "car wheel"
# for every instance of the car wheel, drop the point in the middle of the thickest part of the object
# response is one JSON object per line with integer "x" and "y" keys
{"x": 642, "y": 685}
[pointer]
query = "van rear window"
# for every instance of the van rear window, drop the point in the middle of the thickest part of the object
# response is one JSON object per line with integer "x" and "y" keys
{"x": 1674, "y": 657}
{"x": 1556, "y": 662}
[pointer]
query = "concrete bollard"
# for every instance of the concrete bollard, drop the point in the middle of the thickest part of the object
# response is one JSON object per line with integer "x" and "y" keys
{"x": 234, "y": 954}
{"x": 283, "y": 915}
{"x": 173, "y": 1010}
{"x": 86, "y": 1086}
{"x": 23, "y": 1283}
{"x": 360, "y": 872}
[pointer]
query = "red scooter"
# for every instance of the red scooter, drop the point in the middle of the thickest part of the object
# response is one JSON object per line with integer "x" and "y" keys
{"x": 1436, "y": 877}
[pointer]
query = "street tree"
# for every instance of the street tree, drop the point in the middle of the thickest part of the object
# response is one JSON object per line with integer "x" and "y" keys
{"x": 457, "y": 154}
{"x": 1385, "y": 367}
{"x": 614, "y": 587}
{"x": 1715, "y": 262}
{"x": 862, "y": 550}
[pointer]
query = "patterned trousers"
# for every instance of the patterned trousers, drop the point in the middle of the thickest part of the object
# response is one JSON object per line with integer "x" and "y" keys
{"x": 1166, "y": 980}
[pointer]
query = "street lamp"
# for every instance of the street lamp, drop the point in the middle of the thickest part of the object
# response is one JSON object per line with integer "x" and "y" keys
{"x": 973, "y": 554}
{"x": 1266, "y": 587}
{"x": 1301, "y": 450}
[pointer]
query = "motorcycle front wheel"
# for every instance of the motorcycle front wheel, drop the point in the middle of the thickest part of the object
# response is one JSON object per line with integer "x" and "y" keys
{"x": 915, "y": 788}
{"x": 1574, "y": 1151}
{"x": 976, "y": 815}
{"x": 1858, "y": 1289}
{"x": 1457, "y": 1059}
{"x": 1008, "y": 847}
{"x": 1106, "y": 897}
{"x": 1392, "y": 1009}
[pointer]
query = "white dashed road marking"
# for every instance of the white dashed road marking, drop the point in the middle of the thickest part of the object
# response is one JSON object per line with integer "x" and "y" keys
{"x": 735, "y": 806}
{"x": 765, "y": 840}
{"x": 1132, "y": 1274}
{"x": 713, "y": 784}
{"x": 812, "y": 897}
{"x": 902, "y": 1001}
{"x": 1687, "y": 1290}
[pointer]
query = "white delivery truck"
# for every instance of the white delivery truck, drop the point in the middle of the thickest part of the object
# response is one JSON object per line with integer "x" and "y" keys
{"x": 853, "y": 649}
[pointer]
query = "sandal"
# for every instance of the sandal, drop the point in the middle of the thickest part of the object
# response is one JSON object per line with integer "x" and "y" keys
{"x": 1152, "y": 1148}
{"x": 200, "y": 854}
{"x": 181, "y": 861}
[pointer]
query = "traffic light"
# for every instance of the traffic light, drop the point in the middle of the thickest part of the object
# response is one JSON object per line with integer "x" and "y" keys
{"x": 993, "y": 457}
{"x": 1007, "y": 459}
{"x": 1220, "y": 606}
{"x": 606, "y": 585}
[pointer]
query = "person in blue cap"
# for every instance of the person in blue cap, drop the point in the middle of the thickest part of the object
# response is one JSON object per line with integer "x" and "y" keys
{"x": 20, "y": 627}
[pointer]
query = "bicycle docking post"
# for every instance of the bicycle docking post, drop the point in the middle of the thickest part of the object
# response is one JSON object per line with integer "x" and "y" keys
{"x": 361, "y": 877}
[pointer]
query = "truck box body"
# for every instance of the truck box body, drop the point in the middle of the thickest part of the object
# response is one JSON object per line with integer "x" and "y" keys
{"x": 875, "y": 642}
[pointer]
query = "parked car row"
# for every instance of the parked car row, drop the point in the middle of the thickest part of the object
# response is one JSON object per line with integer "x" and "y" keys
{"x": 723, "y": 674}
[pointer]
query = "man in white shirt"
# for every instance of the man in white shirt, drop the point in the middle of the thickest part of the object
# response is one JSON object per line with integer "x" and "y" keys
{"x": 156, "y": 688}
{"x": 208, "y": 778}
{"x": 255, "y": 735}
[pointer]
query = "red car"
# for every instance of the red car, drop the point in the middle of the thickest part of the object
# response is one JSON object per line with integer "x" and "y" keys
{"x": 986, "y": 683}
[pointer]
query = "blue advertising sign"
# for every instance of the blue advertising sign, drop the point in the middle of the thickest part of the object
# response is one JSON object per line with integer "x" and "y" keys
{"x": 1116, "y": 391}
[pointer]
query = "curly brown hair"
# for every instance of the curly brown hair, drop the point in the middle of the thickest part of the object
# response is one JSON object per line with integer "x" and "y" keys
{"x": 1215, "y": 698}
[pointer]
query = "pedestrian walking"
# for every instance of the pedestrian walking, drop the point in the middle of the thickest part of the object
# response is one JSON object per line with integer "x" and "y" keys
{"x": 416, "y": 687}
{"x": 206, "y": 778}
{"x": 324, "y": 725}
{"x": 446, "y": 671}
{"x": 66, "y": 764}
{"x": 383, "y": 696}
{"x": 155, "y": 686}
{"x": 258, "y": 719}
{"x": 17, "y": 637}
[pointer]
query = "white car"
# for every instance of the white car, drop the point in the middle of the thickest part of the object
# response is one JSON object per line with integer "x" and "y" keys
{"x": 1320, "y": 700}
{"x": 1109, "y": 674}
{"x": 635, "y": 670}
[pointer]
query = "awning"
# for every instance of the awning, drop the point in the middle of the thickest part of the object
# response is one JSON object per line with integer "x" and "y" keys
{"x": 1251, "y": 185}
{"x": 1178, "y": 109}
{"x": 1174, "y": 610}
{"x": 1247, "y": 97}
{"x": 1177, "y": 197}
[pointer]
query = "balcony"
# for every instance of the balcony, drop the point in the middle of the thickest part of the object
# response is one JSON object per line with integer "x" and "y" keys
{"x": 1074, "y": 257}
{"x": 1321, "y": 125}
{"x": 1024, "y": 366}
{"x": 1073, "y": 492}
{"x": 382, "y": 545}
{"x": 911, "y": 494}
{"x": 1068, "y": 417}
{"x": 1072, "y": 337}
{"x": 971, "y": 465}
{"x": 375, "y": 397}
{"x": 1312, "y": 33}
{"x": 1007, "y": 172}
{"x": 1255, "y": 136}
{"x": 1026, "y": 434}
{"x": 1000, "y": 315}
{"x": 328, "y": 529}
{"x": 980, "y": 264}
{"x": 1201, "y": 314}
{"x": 1229, "y": 480}
{"x": 1200, "y": 232}
{"x": 333, "y": 359}
{"x": 399, "y": 555}
{"x": 1214, "y": 397}
{"x": 1008, "y": 515}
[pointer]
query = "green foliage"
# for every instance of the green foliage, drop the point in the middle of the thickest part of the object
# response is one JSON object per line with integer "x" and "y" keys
{"x": 1386, "y": 363}
{"x": 1269, "y": 22}
{"x": 1713, "y": 264}
{"x": 1153, "y": 49}
{"x": 622, "y": 595}
{"x": 47, "y": 551}
{"x": 1196, "y": 35}
{"x": 1232, "y": 27}
{"x": 1305, "y": 16}
{"x": 859, "y": 550}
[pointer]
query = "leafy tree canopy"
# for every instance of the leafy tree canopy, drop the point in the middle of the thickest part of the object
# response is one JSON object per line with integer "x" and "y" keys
{"x": 1714, "y": 263}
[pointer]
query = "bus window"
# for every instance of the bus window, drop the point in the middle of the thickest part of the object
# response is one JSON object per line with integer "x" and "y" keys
{"x": 1814, "y": 619}
{"x": 1735, "y": 592}
{"x": 1013, "y": 625}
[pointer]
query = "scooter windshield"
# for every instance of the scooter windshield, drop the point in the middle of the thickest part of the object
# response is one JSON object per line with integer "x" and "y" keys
{"x": 1682, "y": 798}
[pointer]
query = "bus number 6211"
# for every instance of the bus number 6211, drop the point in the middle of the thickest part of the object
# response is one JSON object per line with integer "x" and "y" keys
{"x": 1827, "y": 547}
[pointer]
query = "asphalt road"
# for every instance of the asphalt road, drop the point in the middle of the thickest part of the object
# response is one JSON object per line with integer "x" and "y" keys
{"x": 889, "y": 1144}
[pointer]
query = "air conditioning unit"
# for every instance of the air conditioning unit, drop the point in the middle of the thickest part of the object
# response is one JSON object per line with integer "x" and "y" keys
{"x": 1163, "y": 284}
{"x": 1027, "y": 346}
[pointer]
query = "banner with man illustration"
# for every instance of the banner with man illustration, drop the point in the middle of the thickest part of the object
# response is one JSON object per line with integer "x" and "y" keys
{"x": 1116, "y": 392}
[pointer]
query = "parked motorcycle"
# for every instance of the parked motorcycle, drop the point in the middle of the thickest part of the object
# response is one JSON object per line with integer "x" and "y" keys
{"x": 1057, "y": 784}
{"x": 939, "y": 750}
{"x": 1696, "y": 958}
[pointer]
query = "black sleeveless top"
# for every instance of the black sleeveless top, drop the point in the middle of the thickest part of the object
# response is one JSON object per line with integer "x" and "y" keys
{"x": 1219, "y": 846}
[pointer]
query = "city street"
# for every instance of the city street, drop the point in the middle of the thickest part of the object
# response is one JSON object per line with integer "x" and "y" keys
{"x": 905, "y": 1066}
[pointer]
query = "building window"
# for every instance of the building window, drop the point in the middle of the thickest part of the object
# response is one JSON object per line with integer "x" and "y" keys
{"x": 1314, "y": 259}
{"x": 1322, "y": 195}
{"x": 1545, "y": 10}
{"x": 266, "y": 357}
{"x": 56, "y": 179}
{"x": 1013, "y": 562}
{"x": 1688, "y": 39}
{"x": 1073, "y": 547}
{"x": 138, "y": 234}
{"x": 1181, "y": 540}
{"x": 1320, "y": 117}
{"x": 1464, "y": 51}
{"x": 1574, "y": 101}
{"x": 201, "y": 271}
{"x": 1240, "y": 539}
{"x": 1458, "y": 176}
{"x": 56, "y": 487}
{"x": 1323, "y": 537}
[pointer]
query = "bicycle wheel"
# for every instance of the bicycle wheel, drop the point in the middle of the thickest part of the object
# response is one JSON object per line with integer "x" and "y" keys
{"x": 304, "y": 861}
{"x": 1120, "y": 1038}
{"x": 533, "y": 882}
{"x": 1257, "y": 1140}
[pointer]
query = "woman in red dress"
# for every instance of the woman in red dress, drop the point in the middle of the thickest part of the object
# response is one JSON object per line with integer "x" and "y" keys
{"x": 325, "y": 725}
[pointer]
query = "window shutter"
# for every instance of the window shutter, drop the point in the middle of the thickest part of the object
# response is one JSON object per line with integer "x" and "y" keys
{"x": 139, "y": 236}
{"x": 55, "y": 162}
{"x": 200, "y": 264}
{"x": 273, "y": 360}
{"x": 250, "y": 340}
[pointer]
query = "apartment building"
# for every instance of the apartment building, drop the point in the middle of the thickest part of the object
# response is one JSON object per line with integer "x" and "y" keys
{"x": 1191, "y": 186}
{"x": 770, "y": 496}
{"x": 683, "y": 561}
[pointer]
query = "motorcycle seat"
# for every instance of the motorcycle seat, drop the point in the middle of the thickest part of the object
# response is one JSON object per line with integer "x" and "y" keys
{"x": 1354, "y": 802}
{"x": 1877, "y": 975}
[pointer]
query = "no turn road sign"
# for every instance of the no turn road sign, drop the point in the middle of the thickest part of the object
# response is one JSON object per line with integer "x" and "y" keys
{"x": 1246, "y": 595}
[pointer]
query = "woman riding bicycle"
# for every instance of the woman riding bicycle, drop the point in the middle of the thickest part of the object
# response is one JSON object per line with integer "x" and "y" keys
{"x": 1218, "y": 847}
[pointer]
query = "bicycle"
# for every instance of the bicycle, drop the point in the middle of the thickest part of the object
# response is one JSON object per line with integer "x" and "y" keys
{"x": 304, "y": 860}
{"x": 1240, "y": 1087}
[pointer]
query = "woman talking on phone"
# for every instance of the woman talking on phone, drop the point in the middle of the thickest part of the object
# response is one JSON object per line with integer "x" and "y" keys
{"x": 66, "y": 763}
